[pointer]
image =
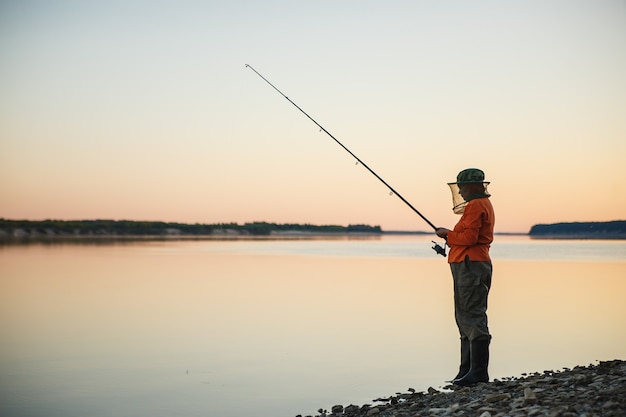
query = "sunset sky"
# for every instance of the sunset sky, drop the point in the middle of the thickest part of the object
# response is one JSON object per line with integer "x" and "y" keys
{"x": 144, "y": 110}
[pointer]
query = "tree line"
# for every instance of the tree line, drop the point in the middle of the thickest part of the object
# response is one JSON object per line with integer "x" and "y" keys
{"x": 155, "y": 228}
{"x": 604, "y": 230}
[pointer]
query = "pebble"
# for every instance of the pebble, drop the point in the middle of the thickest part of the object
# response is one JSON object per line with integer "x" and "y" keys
{"x": 592, "y": 391}
{"x": 493, "y": 398}
{"x": 529, "y": 394}
{"x": 337, "y": 409}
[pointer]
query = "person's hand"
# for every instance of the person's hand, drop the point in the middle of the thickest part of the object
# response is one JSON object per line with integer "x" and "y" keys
{"x": 442, "y": 232}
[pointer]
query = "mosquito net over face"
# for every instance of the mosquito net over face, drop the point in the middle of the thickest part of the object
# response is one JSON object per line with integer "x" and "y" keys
{"x": 467, "y": 176}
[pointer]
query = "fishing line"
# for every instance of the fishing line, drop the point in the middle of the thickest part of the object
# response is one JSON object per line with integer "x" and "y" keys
{"x": 392, "y": 191}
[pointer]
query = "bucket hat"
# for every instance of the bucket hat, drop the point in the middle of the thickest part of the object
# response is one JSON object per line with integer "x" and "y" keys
{"x": 470, "y": 176}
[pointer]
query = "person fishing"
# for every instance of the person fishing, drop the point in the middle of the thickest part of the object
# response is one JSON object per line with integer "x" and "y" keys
{"x": 469, "y": 258}
{"x": 471, "y": 269}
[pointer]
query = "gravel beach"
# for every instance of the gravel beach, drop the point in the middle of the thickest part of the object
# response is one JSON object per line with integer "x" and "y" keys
{"x": 585, "y": 391}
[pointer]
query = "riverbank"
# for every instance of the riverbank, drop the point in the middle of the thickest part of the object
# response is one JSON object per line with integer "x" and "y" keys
{"x": 590, "y": 391}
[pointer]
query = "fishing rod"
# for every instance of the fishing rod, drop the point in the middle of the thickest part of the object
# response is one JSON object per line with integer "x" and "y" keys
{"x": 437, "y": 248}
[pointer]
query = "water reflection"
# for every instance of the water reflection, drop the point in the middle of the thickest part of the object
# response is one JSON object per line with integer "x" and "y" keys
{"x": 214, "y": 328}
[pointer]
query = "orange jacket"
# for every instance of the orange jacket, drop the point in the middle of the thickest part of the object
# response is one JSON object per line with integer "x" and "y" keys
{"x": 473, "y": 234}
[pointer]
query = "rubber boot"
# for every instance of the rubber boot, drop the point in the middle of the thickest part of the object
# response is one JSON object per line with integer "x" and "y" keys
{"x": 465, "y": 359}
{"x": 479, "y": 353}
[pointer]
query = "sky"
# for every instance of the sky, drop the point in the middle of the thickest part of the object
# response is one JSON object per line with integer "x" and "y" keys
{"x": 144, "y": 110}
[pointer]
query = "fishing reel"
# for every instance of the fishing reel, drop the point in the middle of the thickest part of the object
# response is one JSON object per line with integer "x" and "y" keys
{"x": 441, "y": 250}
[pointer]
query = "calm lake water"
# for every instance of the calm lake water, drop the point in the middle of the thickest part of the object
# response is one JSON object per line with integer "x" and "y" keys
{"x": 273, "y": 328}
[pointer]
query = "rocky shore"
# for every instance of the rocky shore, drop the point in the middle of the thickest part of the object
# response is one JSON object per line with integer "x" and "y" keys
{"x": 593, "y": 391}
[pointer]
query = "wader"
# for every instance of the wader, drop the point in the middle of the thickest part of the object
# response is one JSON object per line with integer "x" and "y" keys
{"x": 472, "y": 282}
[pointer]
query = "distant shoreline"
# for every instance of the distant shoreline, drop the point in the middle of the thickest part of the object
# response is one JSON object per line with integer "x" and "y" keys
{"x": 173, "y": 237}
{"x": 103, "y": 238}
{"x": 577, "y": 237}
{"x": 49, "y": 229}
{"x": 103, "y": 230}
{"x": 613, "y": 230}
